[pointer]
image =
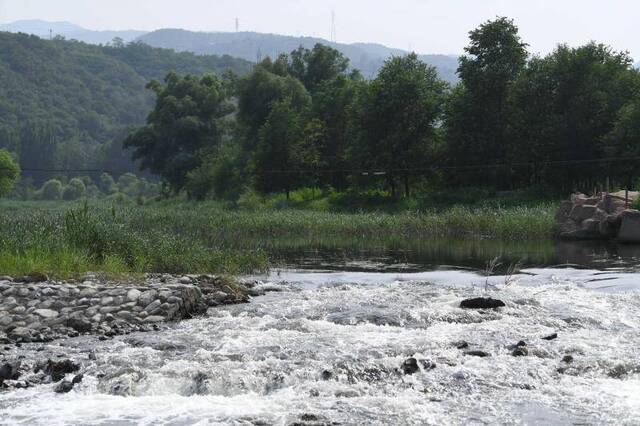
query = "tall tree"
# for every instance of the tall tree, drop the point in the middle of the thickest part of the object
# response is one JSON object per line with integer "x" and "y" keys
{"x": 477, "y": 117}
{"x": 402, "y": 111}
{"x": 565, "y": 105}
{"x": 273, "y": 164}
{"x": 189, "y": 116}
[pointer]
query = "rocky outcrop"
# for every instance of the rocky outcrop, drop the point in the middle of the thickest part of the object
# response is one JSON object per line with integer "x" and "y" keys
{"x": 604, "y": 216}
{"x": 33, "y": 311}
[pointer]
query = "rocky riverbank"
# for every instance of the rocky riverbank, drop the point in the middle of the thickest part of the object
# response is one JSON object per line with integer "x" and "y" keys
{"x": 603, "y": 216}
{"x": 36, "y": 309}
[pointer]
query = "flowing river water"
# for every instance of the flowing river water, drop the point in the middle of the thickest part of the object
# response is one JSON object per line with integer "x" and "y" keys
{"x": 328, "y": 347}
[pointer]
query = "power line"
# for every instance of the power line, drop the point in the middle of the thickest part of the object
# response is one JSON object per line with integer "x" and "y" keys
{"x": 376, "y": 170}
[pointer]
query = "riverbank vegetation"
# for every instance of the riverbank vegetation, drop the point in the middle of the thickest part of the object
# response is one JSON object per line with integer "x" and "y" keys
{"x": 179, "y": 237}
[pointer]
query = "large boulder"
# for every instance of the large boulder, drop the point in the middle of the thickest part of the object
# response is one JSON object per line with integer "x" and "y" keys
{"x": 630, "y": 227}
{"x": 581, "y": 212}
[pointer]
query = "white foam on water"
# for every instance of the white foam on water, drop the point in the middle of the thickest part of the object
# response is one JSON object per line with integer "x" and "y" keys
{"x": 264, "y": 361}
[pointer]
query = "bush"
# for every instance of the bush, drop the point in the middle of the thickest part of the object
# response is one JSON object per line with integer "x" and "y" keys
{"x": 74, "y": 190}
{"x": 51, "y": 190}
{"x": 249, "y": 200}
{"x": 9, "y": 172}
{"x": 107, "y": 184}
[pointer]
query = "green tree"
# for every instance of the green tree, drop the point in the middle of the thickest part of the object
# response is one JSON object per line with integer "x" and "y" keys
{"x": 258, "y": 93}
{"x": 189, "y": 116}
{"x": 402, "y": 111}
{"x": 9, "y": 172}
{"x": 272, "y": 162}
{"x": 333, "y": 106}
{"x": 573, "y": 104}
{"x": 107, "y": 184}
{"x": 74, "y": 190}
{"x": 478, "y": 111}
{"x": 51, "y": 190}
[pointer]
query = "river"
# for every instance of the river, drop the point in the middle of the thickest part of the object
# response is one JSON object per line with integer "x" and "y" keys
{"x": 328, "y": 348}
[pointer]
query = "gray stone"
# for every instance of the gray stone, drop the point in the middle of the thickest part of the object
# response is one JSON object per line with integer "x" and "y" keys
{"x": 133, "y": 295}
{"x": 46, "y": 313}
{"x": 151, "y": 307}
{"x": 147, "y": 297}
{"x": 185, "y": 280}
{"x": 630, "y": 229}
{"x": 19, "y": 310}
{"x": 580, "y": 213}
{"x": 5, "y": 321}
{"x": 88, "y": 292}
{"x": 154, "y": 319}
{"x": 80, "y": 325}
{"x": 21, "y": 333}
{"x": 96, "y": 318}
{"x": 106, "y": 301}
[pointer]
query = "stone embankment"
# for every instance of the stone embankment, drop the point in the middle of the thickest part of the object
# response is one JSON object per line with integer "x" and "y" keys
{"x": 604, "y": 216}
{"x": 36, "y": 309}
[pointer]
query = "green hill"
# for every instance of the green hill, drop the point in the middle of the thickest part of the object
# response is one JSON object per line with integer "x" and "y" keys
{"x": 67, "y": 100}
{"x": 367, "y": 57}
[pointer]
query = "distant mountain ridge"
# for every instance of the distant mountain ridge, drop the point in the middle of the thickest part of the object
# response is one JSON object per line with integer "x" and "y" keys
{"x": 69, "y": 30}
{"x": 367, "y": 57}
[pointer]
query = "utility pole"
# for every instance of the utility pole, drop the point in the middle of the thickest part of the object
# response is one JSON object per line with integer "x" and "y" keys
{"x": 50, "y": 34}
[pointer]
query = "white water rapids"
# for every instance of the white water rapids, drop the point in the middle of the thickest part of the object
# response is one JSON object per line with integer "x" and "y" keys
{"x": 328, "y": 347}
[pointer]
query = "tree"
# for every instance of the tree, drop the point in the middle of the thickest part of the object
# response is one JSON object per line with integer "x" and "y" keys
{"x": 312, "y": 67}
{"x": 402, "y": 111}
{"x": 107, "y": 184}
{"x": 258, "y": 93}
{"x": 575, "y": 104}
{"x": 74, "y": 190}
{"x": 333, "y": 106}
{"x": 189, "y": 116}
{"x": 9, "y": 172}
{"x": 272, "y": 161}
{"x": 51, "y": 190}
{"x": 477, "y": 114}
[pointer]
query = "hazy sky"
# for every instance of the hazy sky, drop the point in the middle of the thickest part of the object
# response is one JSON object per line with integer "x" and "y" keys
{"x": 426, "y": 26}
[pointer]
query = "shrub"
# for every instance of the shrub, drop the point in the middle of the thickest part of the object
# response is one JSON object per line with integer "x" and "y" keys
{"x": 9, "y": 172}
{"x": 107, "y": 184}
{"x": 74, "y": 190}
{"x": 51, "y": 190}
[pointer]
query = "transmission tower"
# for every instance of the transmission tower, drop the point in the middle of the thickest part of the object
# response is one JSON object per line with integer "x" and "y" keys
{"x": 333, "y": 26}
{"x": 237, "y": 25}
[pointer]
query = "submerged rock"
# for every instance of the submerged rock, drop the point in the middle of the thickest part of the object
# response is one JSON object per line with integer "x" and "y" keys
{"x": 58, "y": 369}
{"x": 199, "y": 385}
{"x": 551, "y": 337}
{"x": 482, "y": 303}
{"x": 326, "y": 375}
{"x": 10, "y": 371}
{"x": 567, "y": 359}
{"x": 410, "y": 366}
{"x": 520, "y": 351}
{"x": 63, "y": 387}
{"x": 481, "y": 354}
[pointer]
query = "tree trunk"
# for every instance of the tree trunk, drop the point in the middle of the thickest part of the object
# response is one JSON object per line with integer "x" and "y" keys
{"x": 407, "y": 192}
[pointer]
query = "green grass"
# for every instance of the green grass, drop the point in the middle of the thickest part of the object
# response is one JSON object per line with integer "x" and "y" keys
{"x": 65, "y": 239}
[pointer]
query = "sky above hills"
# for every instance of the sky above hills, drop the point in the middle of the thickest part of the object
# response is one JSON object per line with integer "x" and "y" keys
{"x": 426, "y": 26}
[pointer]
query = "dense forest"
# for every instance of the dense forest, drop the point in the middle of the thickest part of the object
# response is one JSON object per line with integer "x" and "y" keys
{"x": 305, "y": 119}
{"x": 68, "y": 105}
